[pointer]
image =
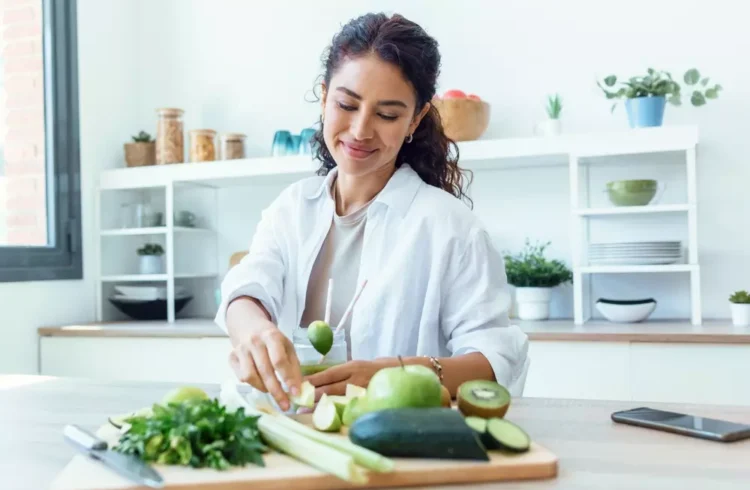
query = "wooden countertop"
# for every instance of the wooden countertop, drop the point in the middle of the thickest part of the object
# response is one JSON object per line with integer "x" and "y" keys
{"x": 593, "y": 452}
{"x": 710, "y": 332}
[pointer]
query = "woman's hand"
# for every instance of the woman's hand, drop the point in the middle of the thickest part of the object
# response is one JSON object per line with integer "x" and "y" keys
{"x": 257, "y": 358}
{"x": 333, "y": 380}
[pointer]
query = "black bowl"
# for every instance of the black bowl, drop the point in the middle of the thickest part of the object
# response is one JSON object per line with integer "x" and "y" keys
{"x": 148, "y": 309}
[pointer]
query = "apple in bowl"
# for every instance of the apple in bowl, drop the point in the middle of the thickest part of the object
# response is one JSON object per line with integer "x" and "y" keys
{"x": 465, "y": 116}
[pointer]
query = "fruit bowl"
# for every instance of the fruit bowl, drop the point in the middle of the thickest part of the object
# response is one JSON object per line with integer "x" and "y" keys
{"x": 626, "y": 311}
{"x": 632, "y": 192}
{"x": 464, "y": 119}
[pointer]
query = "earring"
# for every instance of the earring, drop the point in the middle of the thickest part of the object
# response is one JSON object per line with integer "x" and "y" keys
{"x": 410, "y": 138}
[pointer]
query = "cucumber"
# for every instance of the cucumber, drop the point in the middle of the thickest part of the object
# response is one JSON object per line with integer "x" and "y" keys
{"x": 433, "y": 433}
{"x": 508, "y": 435}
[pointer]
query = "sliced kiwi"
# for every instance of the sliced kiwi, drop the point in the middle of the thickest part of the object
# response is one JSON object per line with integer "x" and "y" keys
{"x": 482, "y": 398}
{"x": 508, "y": 435}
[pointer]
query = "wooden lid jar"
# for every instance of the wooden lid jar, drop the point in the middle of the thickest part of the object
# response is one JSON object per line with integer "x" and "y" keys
{"x": 170, "y": 139}
{"x": 202, "y": 145}
{"x": 232, "y": 146}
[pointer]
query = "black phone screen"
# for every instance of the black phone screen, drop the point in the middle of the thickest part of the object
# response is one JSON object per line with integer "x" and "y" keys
{"x": 690, "y": 423}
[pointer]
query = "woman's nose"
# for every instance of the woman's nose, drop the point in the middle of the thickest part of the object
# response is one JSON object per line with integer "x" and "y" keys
{"x": 361, "y": 127}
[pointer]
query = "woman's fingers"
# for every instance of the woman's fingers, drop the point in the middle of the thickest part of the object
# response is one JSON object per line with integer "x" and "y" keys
{"x": 284, "y": 361}
{"x": 244, "y": 368}
{"x": 332, "y": 389}
{"x": 268, "y": 375}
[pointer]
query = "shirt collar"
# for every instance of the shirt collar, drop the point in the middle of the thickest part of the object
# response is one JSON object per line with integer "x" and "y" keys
{"x": 397, "y": 194}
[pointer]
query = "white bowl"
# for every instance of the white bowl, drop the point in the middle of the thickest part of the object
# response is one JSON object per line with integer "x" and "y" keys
{"x": 626, "y": 311}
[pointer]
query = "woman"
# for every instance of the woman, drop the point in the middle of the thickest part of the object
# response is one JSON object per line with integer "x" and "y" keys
{"x": 386, "y": 208}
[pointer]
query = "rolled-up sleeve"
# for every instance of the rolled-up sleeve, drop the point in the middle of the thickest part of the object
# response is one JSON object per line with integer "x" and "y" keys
{"x": 475, "y": 312}
{"x": 261, "y": 273}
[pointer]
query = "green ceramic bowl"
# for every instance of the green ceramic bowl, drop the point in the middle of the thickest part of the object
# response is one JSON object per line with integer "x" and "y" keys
{"x": 632, "y": 192}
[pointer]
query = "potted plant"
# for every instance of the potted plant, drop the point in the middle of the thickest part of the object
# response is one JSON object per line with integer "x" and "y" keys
{"x": 151, "y": 259}
{"x": 740, "y": 306}
{"x": 534, "y": 276}
{"x": 646, "y": 96}
{"x": 551, "y": 126}
{"x": 141, "y": 151}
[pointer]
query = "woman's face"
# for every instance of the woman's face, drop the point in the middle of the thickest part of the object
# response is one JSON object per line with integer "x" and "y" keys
{"x": 369, "y": 110}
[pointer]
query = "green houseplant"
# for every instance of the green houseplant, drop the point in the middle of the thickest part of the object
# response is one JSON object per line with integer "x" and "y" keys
{"x": 646, "y": 95}
{"x": 151, "y": 260}
{"x": 141, "y": 151}
{"x": 534, "y": 276}
{"x": 740, "y": 307}
{"x": 552, "y": 125}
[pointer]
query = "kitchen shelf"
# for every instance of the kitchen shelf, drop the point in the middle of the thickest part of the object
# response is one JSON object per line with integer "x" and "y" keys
{"x": 613, "y": 211}
{"x": 481, "y": 155}
{"x": 633, "y": 269}
{"x": 156, "y": 230}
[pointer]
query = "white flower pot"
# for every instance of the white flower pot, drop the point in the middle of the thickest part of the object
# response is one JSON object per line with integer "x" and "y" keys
{"x": 550, "y": 127}
{"x": 533, "y": 303}
{"x": 740, "y": 314}
{"x": 151, "y": 264}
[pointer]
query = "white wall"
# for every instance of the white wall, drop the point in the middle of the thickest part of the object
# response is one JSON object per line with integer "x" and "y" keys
{"x": 107, "y": 57}
{"x": 249, "y": 66}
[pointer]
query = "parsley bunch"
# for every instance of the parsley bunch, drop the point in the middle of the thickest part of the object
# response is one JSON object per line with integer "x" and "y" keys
{"x": 197, "y": 433}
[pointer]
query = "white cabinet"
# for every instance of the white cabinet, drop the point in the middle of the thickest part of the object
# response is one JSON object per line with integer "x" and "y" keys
{"x": 632, "y": 371}
{"x": 640, "y": 372}
{"x": 183, "y": 360}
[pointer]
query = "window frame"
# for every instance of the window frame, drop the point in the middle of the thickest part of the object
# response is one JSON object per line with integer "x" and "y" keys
{"x": 62, "y": 258}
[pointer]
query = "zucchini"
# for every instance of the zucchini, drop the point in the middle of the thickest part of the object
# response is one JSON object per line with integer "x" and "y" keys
{"x": 432, "y": 433}
{"x": 479, "y": 425}
{"x": 508, "y": 435}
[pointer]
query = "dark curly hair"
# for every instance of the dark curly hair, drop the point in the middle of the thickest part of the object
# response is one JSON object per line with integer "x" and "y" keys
{"x": 397, "y": 40}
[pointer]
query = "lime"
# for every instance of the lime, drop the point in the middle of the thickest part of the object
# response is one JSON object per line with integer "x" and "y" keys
{"x": 321, "y": 336}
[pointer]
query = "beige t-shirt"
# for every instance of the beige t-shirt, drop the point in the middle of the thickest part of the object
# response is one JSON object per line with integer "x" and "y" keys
{"x": 338, "y": 259}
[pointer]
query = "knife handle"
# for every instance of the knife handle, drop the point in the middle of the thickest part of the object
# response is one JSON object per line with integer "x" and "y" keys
{"x": 83, "y": 438}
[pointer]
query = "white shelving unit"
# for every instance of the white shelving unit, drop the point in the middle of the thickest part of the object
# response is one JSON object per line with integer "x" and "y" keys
{"x": 578, "y": 152}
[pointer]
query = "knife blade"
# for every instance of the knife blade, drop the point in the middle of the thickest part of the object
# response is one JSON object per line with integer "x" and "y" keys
{"x": 127, "y": 465}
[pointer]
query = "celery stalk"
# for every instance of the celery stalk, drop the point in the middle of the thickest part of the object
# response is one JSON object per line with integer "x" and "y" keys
{"x": 314, "y": 453}
{"x": 363, "y": 456}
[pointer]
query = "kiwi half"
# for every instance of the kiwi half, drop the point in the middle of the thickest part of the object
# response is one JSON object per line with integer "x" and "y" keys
{"x": 482, "y": 398}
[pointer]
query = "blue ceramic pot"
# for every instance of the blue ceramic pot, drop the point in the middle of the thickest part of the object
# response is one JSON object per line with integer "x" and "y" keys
{"x": 282, "y": 140}
{"x": 645, "y": 112}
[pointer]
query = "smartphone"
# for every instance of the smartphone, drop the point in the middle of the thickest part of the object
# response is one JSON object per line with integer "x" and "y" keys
{"x": 687, "y": 425}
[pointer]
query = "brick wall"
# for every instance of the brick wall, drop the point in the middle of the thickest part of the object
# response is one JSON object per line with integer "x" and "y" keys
{"x": 22, "y": 192}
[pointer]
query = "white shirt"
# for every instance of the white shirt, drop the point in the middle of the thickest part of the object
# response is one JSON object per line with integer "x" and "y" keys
{"x": 436, "y": 284}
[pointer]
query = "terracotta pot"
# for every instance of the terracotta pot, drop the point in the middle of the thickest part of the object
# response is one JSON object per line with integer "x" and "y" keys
{"x": 463, "y": 119}
{"x": 140, "y": 154}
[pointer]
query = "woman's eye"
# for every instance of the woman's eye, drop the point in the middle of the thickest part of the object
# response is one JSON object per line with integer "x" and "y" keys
{"x": 388, "y": 117}
{"x": 346, "y": 107}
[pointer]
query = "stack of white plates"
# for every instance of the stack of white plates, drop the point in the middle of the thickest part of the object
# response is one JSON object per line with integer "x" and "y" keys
{"x": 635, "y": 253}
{"x": 147, "y": 293}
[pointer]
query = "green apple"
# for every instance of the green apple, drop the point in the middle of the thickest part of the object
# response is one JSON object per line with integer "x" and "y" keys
{"x": 404, "y": 386}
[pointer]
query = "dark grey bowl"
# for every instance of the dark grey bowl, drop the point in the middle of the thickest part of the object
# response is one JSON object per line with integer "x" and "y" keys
{"x": 148, "y": 309}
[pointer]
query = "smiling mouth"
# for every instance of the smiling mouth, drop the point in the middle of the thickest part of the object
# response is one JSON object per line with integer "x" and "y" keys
{"x": 357, "y": 151}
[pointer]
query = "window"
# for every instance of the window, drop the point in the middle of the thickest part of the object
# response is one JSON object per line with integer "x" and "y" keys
{"x": 40, "y": 230}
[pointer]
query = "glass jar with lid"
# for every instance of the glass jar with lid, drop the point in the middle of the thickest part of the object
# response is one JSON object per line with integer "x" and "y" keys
{"x": 309, "y": 358}
{"x": 202, "y": 145}
{"x": 232, "y": 146}
{"x": 170, "y": 139}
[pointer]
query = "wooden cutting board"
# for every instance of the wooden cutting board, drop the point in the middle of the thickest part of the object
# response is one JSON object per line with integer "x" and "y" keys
{"x": 283, "y": 472}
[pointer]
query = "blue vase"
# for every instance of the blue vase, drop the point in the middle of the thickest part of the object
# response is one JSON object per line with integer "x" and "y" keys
{"x": 645, "y": 112}
{"x": 292, "y": 147}
{"x": 281, "y": 141}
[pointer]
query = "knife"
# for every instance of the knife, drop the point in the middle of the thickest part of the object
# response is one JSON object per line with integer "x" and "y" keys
{"x": 127, "y": 465}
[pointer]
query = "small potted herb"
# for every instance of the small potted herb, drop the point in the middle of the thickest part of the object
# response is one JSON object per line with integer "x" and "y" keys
{"x": 740, "y": 306}
{"x": 141, "y": 151}
{"x": 646, "y": 96}
{"x": 552, "y": 126}
{"x": 534, "y": 276}
{"x": 151, "y": 260}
